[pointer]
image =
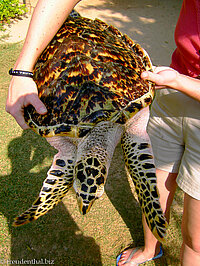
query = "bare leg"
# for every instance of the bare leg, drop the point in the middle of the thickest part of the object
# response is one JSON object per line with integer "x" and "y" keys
{"x": 166, "y": 183}
{"x": 190, "y": 252}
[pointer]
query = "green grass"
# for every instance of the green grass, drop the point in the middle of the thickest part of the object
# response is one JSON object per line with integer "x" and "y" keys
{"x": 63, "y": 235}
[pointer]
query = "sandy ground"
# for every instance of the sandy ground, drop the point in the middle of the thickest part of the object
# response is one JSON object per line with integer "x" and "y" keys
{"x": 149, "y": 22}
{"x": 16, "y": 31}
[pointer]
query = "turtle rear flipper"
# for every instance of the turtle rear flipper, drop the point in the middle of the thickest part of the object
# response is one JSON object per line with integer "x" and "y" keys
{"x": 94, "y": 156}
{"x": 139, "y": 161}
{"x": 58, "y": 182}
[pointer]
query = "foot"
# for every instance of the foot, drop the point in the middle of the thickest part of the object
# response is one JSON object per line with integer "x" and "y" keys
{"x": 136, "y": 256}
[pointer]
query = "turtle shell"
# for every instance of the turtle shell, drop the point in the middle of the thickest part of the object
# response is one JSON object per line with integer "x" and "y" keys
{"x": 88, "y": 73}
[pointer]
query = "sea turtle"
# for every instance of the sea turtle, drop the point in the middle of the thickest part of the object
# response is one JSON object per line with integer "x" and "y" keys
{"x": 89, "y": 79}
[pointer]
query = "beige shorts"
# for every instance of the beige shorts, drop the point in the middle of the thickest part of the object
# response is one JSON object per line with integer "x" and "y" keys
{"x": 174, "y": 130}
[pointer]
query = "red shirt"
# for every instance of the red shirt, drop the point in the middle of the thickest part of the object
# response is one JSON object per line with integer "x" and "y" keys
{"x": 186, "y": 57}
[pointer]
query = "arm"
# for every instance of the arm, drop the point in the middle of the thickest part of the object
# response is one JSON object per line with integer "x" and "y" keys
{"x": 47, "y": 18}
{"x": 168, "y": 77}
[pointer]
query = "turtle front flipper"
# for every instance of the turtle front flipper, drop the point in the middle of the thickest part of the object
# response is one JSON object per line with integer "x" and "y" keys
{"x": 59, "y": 180}
{"x": 139, "y": 161}
{"x": 94, "y": 156}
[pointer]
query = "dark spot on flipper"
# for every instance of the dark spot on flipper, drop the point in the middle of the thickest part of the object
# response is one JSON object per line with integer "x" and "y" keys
{"x": 84, "y": 209}
{"x": 149, "y": 175}
{"x": 21, "y": 217}
{"x": 91, "y": 197}
{"x": 147, "y": 194}
{"x": 143, "y": 186}
{"x": 154, "y": 193}
{"x": 156, "y": 205}
{"x": 37, "y": 202}
{"x": 56, "y": 173}
{"x": 100, "y": 180}
{"x": 103, "y": 170}
{"x": 131, "y": 155}
{"x": 80, "y": 166}
{"x": 50, "y": 181}
{"x": 46, "y": 189}
{"x": 91, "y": 171}
{"x": 93, "y": 189}
{"x": 143, "y": 146}
{"x": 96, "y": 162}
{"x": 81, "y": 176}
{"x": 83, "y": 196}
{"x": 89, "y": 161}
{"x": 84, "y": 188}
{"x": 133, "y": 145}
{"x": 60, "y": 163}
{"x": 143, "y": 157}
{"x": 48, "y": 196}
{"x": 90, "y": 181}
{"x": 148, "y": 165}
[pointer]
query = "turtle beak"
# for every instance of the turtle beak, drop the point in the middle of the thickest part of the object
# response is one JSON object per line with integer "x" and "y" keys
{"x": 83, "y": 206}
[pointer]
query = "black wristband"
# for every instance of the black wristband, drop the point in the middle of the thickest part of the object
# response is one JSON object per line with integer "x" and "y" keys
{"x": 21, "y": 73}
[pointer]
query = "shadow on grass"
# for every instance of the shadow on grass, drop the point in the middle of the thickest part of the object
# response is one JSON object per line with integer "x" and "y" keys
{"x": 55, "y": 237}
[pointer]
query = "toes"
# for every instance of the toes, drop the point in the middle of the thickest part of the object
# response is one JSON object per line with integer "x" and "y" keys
{"x": 120, "y": 259}
{"x": 123, "y": 257}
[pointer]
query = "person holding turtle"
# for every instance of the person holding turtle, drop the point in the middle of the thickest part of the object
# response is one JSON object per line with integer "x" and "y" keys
{"x": 174, "y": 132}
{"x": 174, "y": 124}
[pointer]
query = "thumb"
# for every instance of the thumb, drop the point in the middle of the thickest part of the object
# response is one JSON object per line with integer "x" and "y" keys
{"x": 154, "y": 77}
{"x": 37, "y": 104}
{"x": 145, "y": 75}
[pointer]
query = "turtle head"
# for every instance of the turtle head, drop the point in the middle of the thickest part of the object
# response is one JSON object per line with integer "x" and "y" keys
{"x": 89, "y": 182}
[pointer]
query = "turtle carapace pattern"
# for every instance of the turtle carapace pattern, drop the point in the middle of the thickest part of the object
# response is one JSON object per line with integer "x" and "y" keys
{"x": 89, "y": 79}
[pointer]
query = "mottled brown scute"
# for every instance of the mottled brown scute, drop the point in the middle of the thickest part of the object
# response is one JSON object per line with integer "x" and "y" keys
{"x": 89, "y": 73}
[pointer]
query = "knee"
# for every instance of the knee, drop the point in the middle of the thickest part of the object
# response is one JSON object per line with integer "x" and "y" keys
{"x": 192, "y": 242}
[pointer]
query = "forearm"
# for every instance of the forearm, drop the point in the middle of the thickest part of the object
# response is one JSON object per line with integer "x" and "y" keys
{"x": 189, "y": 86}
{"x": 168, "y": 77}
{"x": 47, "y": 18}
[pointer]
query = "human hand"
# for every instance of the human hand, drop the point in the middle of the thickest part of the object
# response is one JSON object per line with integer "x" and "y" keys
{"x": 162, "y": 76}
{"x": 23, "y": 92}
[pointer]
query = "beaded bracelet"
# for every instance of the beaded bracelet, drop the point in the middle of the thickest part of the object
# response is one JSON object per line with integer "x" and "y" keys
{"x": 21, "y": 73}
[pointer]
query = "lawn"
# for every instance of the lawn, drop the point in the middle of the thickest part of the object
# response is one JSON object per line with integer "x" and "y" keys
{"x": 63, "y": 236}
